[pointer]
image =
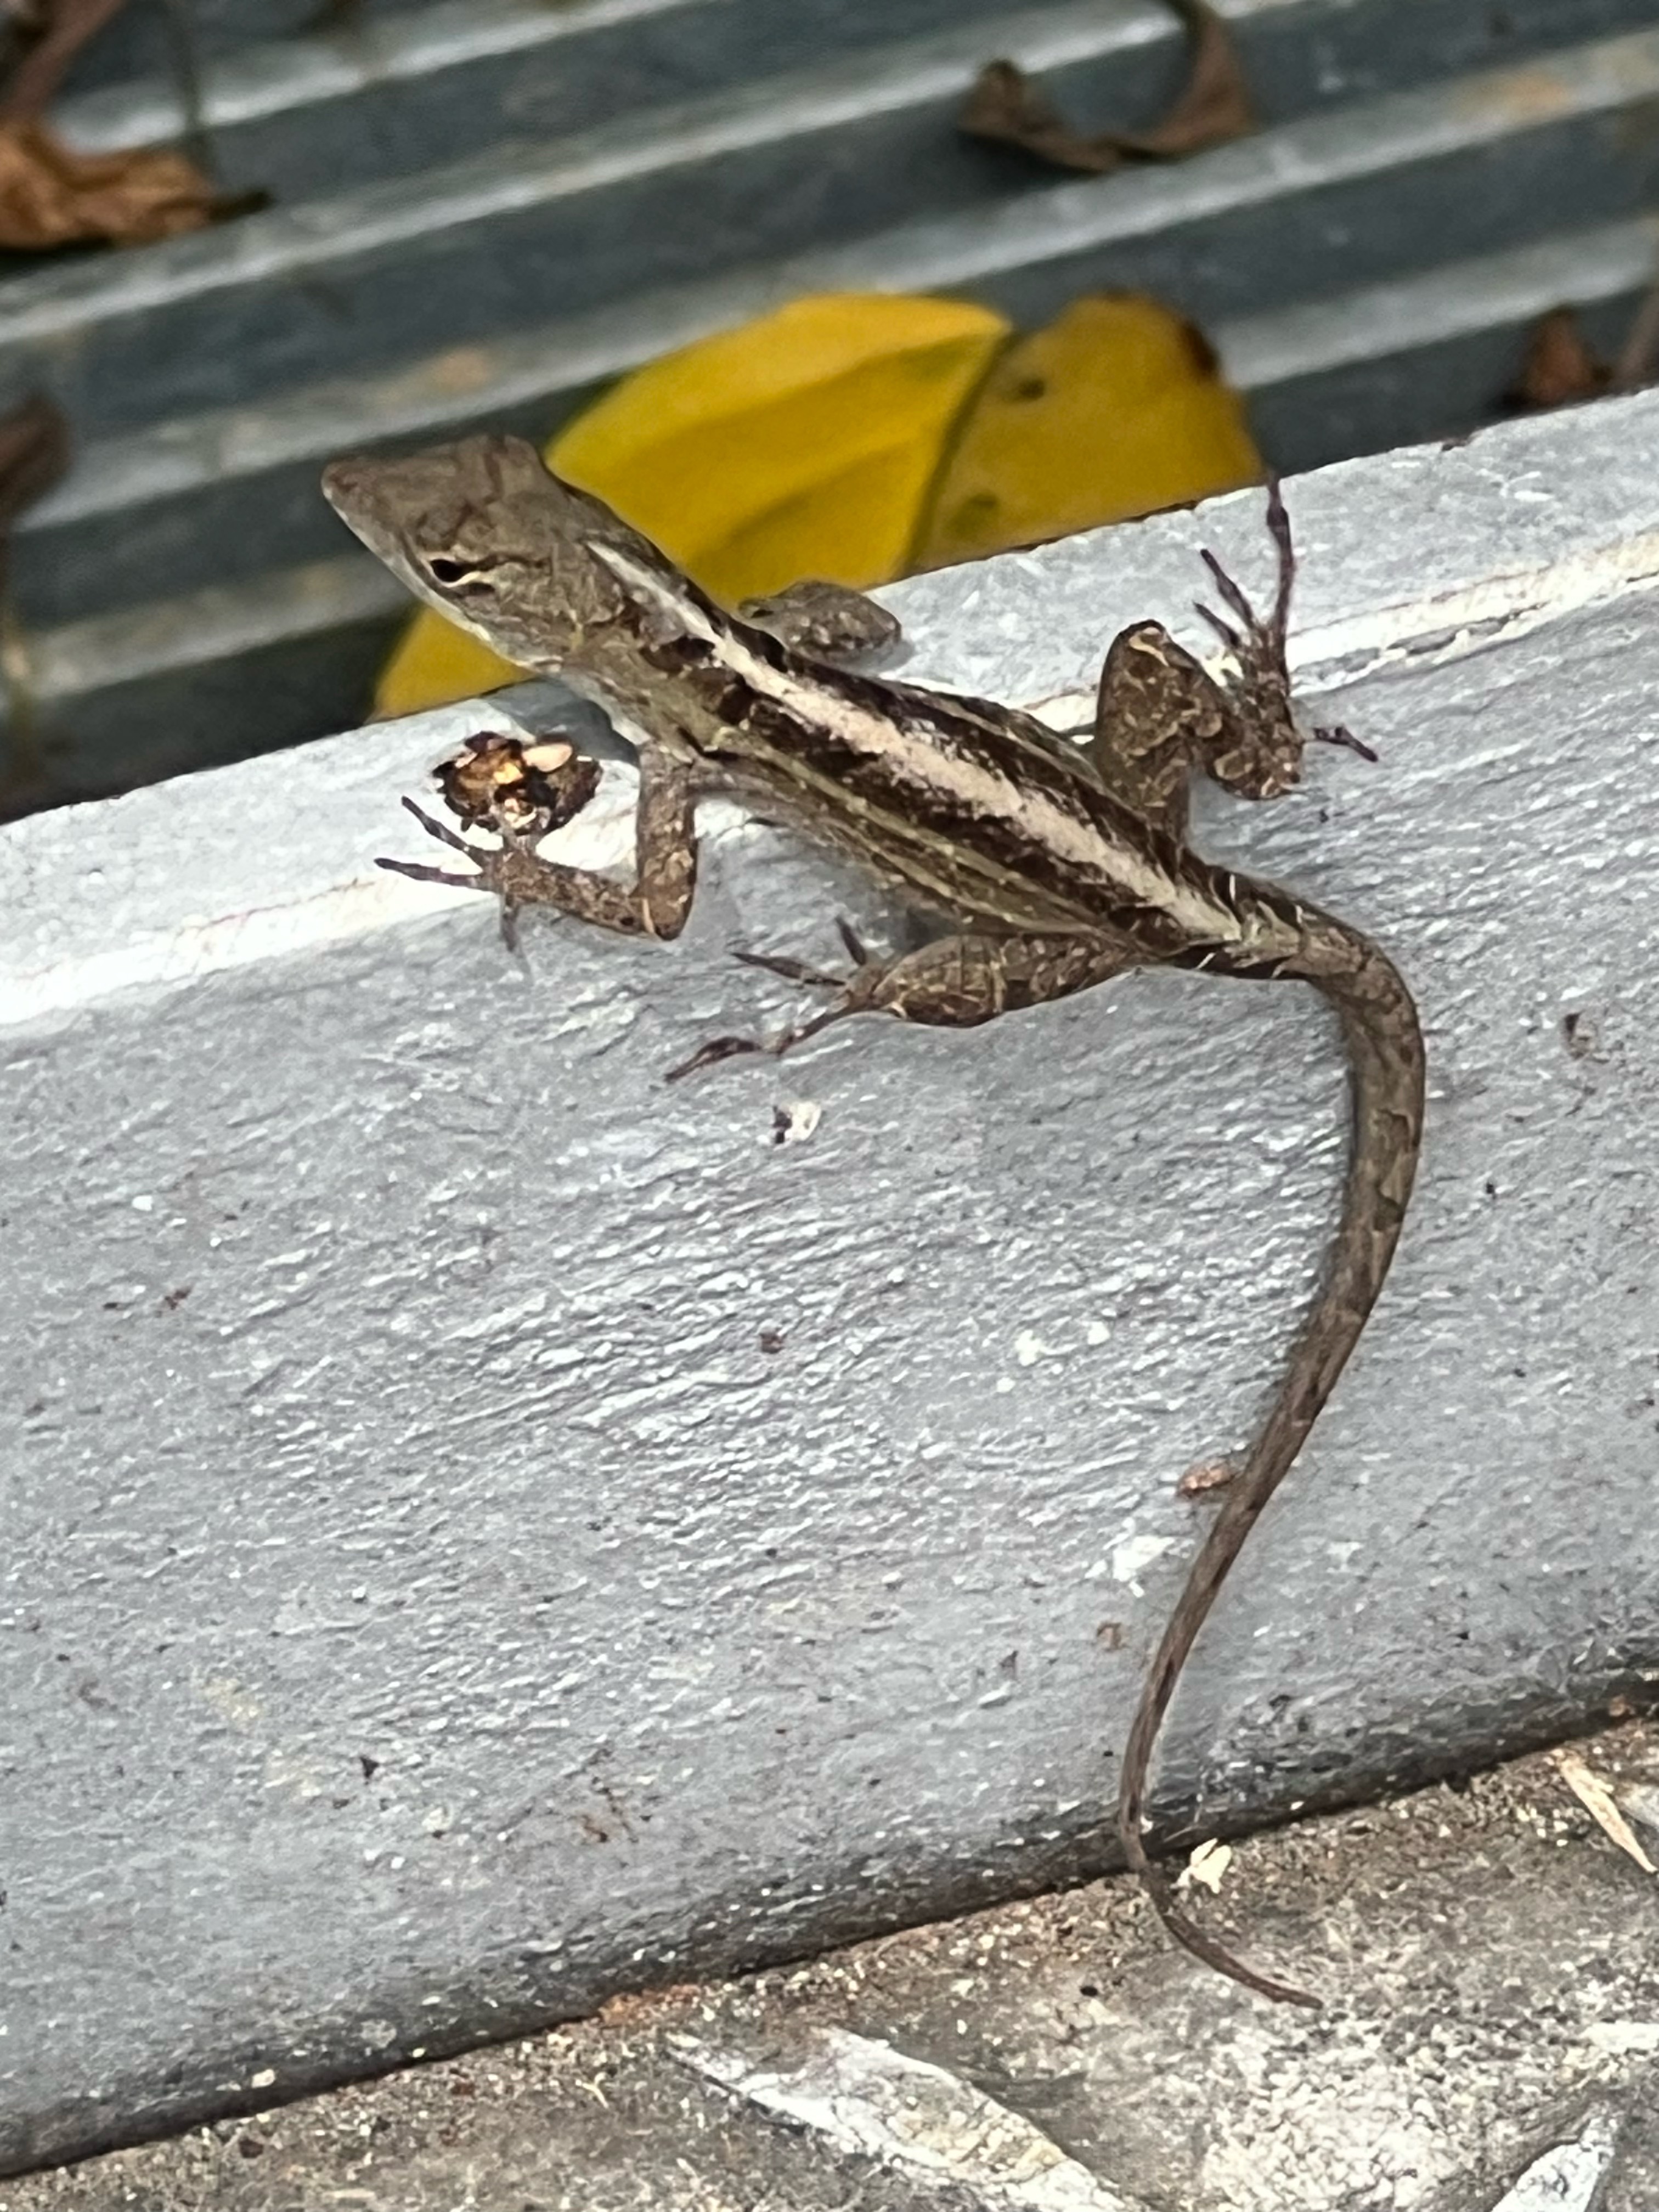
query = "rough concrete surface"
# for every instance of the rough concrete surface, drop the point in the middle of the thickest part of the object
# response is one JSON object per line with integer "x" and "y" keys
{"x": 484, "y": 1530}
{"x": 1489, "y": 2044}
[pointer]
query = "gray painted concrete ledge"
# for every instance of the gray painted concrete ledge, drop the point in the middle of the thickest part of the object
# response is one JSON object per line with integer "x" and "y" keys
{"x": 484, "y": 1530}
{"x": 1056, "y": 2054}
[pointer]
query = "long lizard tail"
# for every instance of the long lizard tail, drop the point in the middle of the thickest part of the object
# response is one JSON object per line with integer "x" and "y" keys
{"x": 1385, "y": 1051}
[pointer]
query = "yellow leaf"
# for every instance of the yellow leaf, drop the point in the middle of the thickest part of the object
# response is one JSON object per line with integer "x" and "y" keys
{"x": 858, "y": 437}
{"x": 800, "y": 445}
{"x": 434, "y": 662}
{"x": 809, "y": 437}
{"x": 1116, "y": 409}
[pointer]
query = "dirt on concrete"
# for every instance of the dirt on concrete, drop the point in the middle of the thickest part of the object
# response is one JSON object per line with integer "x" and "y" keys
{"x": 1487, "y": 1952}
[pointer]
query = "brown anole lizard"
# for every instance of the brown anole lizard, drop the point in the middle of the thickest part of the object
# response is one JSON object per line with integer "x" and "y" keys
{"x": 1052, "y": 865}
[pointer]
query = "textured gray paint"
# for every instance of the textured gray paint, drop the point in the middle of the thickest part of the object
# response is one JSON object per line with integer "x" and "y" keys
{"x": 430, "y": 1601}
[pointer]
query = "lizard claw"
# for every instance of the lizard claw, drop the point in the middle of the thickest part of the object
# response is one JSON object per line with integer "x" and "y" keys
{"x": 847, "y": 1000}
{"x": 422, "y": 874}
{"x": 728, "y": 1048}
{"x": 792, "y": 971}
{"x": 854, "y": 943}
{"x": 506, "y": 869}
{"x": 798, "y": 971}
{"x": 1340, "y": 734}
{"x": 1230, "y": 637}
{"x": 1261, "y": 639}
{"x": 483, "y": 858}
{"x": 443, "y": 833}
{"x": 717, "y": 1048}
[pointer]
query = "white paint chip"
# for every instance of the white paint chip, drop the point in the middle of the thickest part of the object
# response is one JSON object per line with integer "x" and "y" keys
{"x": 1569, "y": 2177}
{"x": 1131, "y": 1558}
{"x": 872, "y": 2101}
{"x": 1206, "y": 1868}
{"x": 794, "y": 1120}
{"x": 1624, "y": 2039}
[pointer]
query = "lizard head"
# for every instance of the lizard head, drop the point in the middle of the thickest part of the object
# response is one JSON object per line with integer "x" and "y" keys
{"x": 481, "y": 531}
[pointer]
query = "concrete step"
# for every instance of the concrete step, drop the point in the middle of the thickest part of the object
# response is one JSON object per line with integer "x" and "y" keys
{"x": 306, "y": 116}
{"x": 374, "y": 277}
{"x": 234, "y": 663}
{"x": 490, "y": 1531}
{"x": 303, "y": 117}
{"x": 1514, "y": 2069}
{"x": 1432, "y": 175}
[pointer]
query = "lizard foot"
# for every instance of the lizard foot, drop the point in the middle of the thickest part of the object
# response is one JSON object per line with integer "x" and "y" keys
{"x": 850, "y": 1000}
{"x": 1257, "y": 644}
{"x": 510, "y": 869}
{"x": 1260, "y": 640}
{"x": 522, "y": 793}
{"x": 816, "y": 979}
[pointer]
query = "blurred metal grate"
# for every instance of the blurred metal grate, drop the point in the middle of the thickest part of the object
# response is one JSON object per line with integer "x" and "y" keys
{"x": 484, "y": 209}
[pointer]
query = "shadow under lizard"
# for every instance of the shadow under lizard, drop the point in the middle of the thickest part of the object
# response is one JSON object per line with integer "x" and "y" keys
{"x": 1053, "y": 866}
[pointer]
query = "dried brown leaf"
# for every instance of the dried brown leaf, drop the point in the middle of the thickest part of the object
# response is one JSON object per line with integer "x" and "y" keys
{"x": 51, "y": 196}
{"x": 34, "y": 451}
{"x": 1558, "y": 365}
{"x": 1213, "y": 107}
{"x": 1639, "y": 354}
{"x": 1597, "y": 1800}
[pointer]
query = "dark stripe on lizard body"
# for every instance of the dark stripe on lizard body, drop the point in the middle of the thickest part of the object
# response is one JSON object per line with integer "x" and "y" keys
{"x": 968, "y": 817}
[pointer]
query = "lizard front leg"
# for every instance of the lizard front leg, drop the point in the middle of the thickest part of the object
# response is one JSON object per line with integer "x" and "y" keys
{"x": 955, "y": 982}
{"x": 655, "y": 904}
{"x": 830, "y": 622}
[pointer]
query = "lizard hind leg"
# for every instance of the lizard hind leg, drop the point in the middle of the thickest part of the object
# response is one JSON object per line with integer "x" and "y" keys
{"x": 955, "y": 983}
{"x": 1159, "y": 713}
